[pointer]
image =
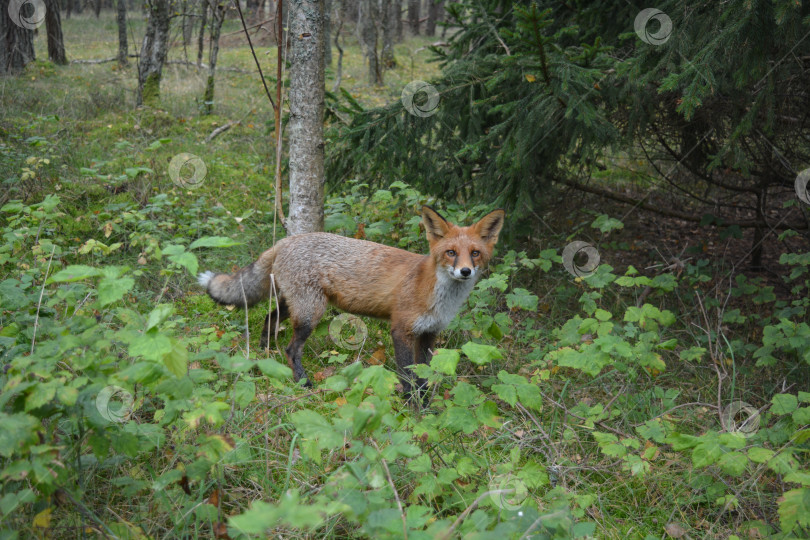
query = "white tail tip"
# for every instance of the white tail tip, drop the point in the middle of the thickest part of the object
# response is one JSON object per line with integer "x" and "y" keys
{"x": 204, "y": 278}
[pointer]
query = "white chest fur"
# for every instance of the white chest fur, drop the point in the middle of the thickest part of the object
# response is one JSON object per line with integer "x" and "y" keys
{"x": 448, "y": 296}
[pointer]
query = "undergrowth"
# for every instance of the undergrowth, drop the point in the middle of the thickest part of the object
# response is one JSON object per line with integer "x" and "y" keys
{"x": 622, "y": 403}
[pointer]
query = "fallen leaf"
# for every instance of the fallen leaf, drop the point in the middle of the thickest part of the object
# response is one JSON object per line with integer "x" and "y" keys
{"x": 377, "y": 358}
{"x": 675, "y": 530}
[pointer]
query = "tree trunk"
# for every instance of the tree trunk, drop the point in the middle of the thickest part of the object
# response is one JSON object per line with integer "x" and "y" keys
{"x": 217, "y": 16}
{"x": 387, "y": 14}
{"x": 68, "y": 8}
{"x": 435, "y": 11}
{"x": 397, "y": 13}
{"x": 368, "y": 38}
{"x": 97, "y": 8}
{"x": 413, "y": 16}
{"x": 17, "y": 38}
{"x": 188, "y": 24}
{"x": 327, "y": 31}
{"x": 306, "y": 118}
{"x": 123, "y": 46}
{"x": 153, "y": 53}
{"x": 201, "y": 37}
{"x": 53, "y": 25}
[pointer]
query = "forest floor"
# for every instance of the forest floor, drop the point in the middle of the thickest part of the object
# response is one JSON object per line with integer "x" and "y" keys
{"x": 74, "y": 132}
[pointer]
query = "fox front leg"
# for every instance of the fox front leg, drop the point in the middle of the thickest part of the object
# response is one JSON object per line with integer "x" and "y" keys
{"x": 405, "y": 345}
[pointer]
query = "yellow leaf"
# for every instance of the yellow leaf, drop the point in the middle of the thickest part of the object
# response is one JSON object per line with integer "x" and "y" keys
{"x": 530, "y": 78}
{"x": 43, "y": 519}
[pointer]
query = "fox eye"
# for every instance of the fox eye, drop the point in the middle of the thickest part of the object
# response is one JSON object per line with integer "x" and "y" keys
{"x": 451, "y": 253}
{"x": 475, "y": 253}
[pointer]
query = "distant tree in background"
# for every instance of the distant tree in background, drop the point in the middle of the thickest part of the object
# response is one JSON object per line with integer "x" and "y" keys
{"x": 154, "y": 49}
{"x": 217, "y": 17}
{"x": 53, "y": 26}
{"x": 16, "y": 41}
{"x": 388, "y": 12}
{"x": 435, "y": 10}
{"x": 328, "y": 13}
{"x": 413, "y": 16}
{"x": 367, "y": 29}
{"x": 121, "y": 21}
{"x": 201, "y": 35}
{"x": 396, "y": 7}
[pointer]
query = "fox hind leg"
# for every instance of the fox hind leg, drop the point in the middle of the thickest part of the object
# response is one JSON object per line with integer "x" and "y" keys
{"x": 305, "y": 315}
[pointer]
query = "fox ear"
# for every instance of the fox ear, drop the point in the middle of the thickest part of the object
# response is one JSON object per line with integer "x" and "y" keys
{"x": 435, "y": 225}
{"x": 489, "y": 226}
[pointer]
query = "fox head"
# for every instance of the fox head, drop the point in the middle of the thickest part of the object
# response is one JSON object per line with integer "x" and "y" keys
{"x": 462, "y": 252}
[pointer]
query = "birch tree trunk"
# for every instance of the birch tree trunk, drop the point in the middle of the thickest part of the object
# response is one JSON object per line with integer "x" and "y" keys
{"x": 153, "y": 53}
{"x": 123, "y": 45}
{"x": 217, "y": 16}
{"x": 306, "y": 117}
{"x": 16, "y": 42}
{"x": 387, "y": 23}
{"x": 53, "y": 27}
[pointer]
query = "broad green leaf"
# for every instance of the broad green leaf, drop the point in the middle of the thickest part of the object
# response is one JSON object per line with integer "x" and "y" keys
{"x": 75, "y": 272}
{"x": 187, "y": 260}
{"x": 521, "y": 299}
{"x": 460, "y": 419}
{"x": 312, "y": 425}
{"x": 445, "y": 361}
{"x": 151, "y": 345}
{"x": 159, "y": 314}
{"x": 17, "y": 431}
{"x": 274, "y": 369}
{"x": 794, "y": 509}
{"x": 506, "y": 392}
{"x": 733, "y": 463}
{"x": 480, "y": 354}
{"x": 113, "y": 289}
{"x": 758, "y": 454}
{"x": 177, "y": 359}
{"x": 784, "y": 403}
{"x": 213, "y": 241}
{"x": 244, "y": 393}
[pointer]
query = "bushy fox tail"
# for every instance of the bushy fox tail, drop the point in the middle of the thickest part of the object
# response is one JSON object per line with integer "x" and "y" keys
{"x": 248, "y": 285}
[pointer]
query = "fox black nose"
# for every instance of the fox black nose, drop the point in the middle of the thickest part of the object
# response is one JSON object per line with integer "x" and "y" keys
{"x": 466, "y": 272}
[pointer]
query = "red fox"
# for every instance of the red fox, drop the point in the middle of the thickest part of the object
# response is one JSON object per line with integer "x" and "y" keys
{"x": 419, "y": 294}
